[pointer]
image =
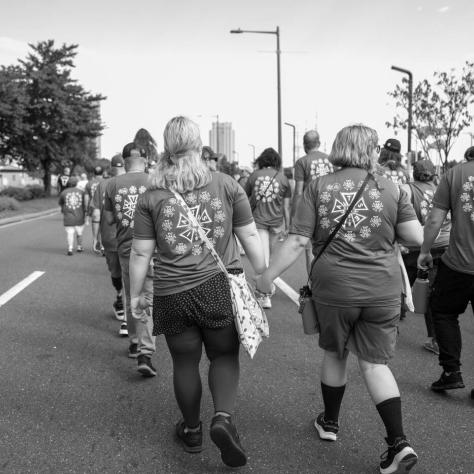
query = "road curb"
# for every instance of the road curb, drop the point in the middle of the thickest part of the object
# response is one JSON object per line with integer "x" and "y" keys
{"x": 25, "y": 217}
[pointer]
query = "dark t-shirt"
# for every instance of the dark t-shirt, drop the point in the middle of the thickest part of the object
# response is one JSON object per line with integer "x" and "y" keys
{"x": 121, "y": 196}
{"x": 312, "y": 166}
{"x": 267, "y": 195}
{"x": 62, "y": 182}
{"x": 72, "y": 203}
{"x": 455, "y": 193}
{"x": 360, "y": 266}
{"x": 108, "y": 232}
{"x": 182, "y": 260}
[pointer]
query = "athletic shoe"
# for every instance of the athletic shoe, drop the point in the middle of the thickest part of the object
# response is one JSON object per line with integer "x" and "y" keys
{"x": 431, "y": 346}
{"x": 190, "y": 440}
{"x": 133, "y": 350}
{"x": 265, "y": 302}
{"x": 69, "y": 253}
{"x": 225, "y": 437}
{"x": 399, "y": 457}
{"x": 448, "y": 382}
{"x": 79, "y": 249}
{"x": 327, "y": 429}
{"x": 123, "y": 331}
{"x": 118, "y": 309}
{"x": 145, "y": 367}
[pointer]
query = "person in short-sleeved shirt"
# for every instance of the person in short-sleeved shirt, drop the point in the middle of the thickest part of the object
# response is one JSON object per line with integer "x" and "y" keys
{"x": 390, "y": 161}
{"x": 356, "y": 282}
{"x": 63, "y": 178}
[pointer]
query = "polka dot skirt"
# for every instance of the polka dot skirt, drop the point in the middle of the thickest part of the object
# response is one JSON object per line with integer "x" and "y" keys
{"x": 208, "y": 305}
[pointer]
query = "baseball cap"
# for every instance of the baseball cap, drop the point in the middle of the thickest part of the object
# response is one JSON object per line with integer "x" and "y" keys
{"x": 98, "y": 170}
{"x": 469, "y": 153}
{"x": 117, "y": 161}
{"x": 423, "y": 168}
{"x": 392, "y": 144}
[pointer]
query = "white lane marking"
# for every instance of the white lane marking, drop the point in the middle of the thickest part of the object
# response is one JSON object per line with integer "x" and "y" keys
{"x": 4, "y": 226}
{"x": 290, "y": 292}
{"x": 8, "y": 295}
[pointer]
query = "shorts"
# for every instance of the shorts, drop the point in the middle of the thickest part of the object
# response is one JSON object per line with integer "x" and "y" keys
{"x": 208, "y": 305}
{"x": 452, "y": 291}
{"x": 370, "y": 333}
{"x": 113, "y": 263}
{"x": 272, "y": 229}
{"x": 74, "y": 229}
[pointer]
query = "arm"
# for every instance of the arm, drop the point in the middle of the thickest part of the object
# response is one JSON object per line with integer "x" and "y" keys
{"x": 410, "y": 232}
{"x": 109, "y": 217}
{"x": 95, "y": 227}
{"x": 431, "y": 230}
{"x": 286, "y": 213}
{"x": 250, "y": 240}
{"x": 407, "y": 189}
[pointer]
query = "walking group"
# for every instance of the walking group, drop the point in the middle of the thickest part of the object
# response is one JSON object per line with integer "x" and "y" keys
{"x": 357, "y": 210}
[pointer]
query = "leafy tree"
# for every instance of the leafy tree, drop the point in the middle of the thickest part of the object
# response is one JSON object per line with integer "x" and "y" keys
{"x": 144, "y": 139}
{"x": 57, "y": 119}
{"x": 441, "y": 109}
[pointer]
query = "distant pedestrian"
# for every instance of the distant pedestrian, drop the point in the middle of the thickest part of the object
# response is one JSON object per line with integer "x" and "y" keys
{"x": 72, "y": 204}
{"x": 308, "y": 168}
{"x": 82, "y": 183}
{"x": 89, "y": 193}
{"x": 356, "y": 282}
{"x": 453, "y": 287}
{"x": 245, "y": 173}
{"x": 390, "y": 161}
{"x": 210, "y": 158}
{"x": 269, "y": 193}
{"x": 192, "y": 301}
{"x": 63, "y": 178}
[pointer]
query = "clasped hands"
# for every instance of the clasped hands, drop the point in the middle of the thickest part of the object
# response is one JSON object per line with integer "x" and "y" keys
{"x": 140, "y": 307}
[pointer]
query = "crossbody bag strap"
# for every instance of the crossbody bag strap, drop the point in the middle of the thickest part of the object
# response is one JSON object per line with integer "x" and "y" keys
{"x": 340, "y": 223}
{"x": 200, "y": 230}
{"x": 263, "y": 194}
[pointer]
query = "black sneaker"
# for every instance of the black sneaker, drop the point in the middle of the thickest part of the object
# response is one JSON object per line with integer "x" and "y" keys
{"x": 133, "y": 351}
{"x": 399, "y": 458}
{"x": 79, "y": 249}
{"x": 327, "y": 429}
{"x": 123, "y": 331}
{"x": 190, "y": 440}
{"x": 118, "y": 309}
{"x": 145, "y": 366}
{"x": 225, "y": 437}
{"x": 448, "y": 382}
{"x": 69, "y": 253}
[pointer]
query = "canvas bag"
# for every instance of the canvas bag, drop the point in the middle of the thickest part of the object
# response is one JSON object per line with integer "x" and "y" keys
{"x": 250, "y": 319}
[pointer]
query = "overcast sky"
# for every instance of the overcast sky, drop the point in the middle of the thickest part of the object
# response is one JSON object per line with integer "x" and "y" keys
{"x": 155, "y": 59}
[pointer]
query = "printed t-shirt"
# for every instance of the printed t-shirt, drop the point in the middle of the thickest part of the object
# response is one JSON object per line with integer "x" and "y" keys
{"x": 455, "y": 193}
{"x": 108, "y": 232}
{"x": 62, "y": 182}
{"x": 360, "y": 266}
{"x": 267, "y": 195}
{"x": 91, "y": 186}
{"x": 183, "y": 261}
{"x": 398, "y": 176}
{"x": 121, "y": 196}
{"x": 71, "y": 201}
{"x": 312, "y": 166}
{"x": 422, "y": 193}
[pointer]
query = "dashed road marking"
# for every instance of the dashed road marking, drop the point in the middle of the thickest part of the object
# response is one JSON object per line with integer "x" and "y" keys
{"x": 8, "y": 295}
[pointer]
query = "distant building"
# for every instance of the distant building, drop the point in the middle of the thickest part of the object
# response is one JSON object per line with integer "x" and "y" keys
{"x": 222, "y": 139}
{"x": 15, "y": 176}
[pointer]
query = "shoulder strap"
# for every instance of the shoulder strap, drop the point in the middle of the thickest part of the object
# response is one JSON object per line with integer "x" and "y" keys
{"x": 268, "y": 185}
{"x": 340, "y": 223}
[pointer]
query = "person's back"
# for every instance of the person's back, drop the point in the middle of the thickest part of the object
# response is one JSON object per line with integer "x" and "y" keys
{"x": 71, "y": 201}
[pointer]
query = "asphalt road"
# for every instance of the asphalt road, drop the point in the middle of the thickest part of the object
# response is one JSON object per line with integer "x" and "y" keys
{"x": 72, "y": 402}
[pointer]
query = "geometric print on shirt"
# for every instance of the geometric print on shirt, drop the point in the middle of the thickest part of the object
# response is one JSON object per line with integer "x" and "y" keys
{"x": 125, "y": 203}
{"x": 320, "y": 167}
{"x": 266, "y": 189}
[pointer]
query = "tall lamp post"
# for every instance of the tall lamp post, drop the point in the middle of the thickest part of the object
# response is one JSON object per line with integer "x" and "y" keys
{"x": 277, "y": 33}
{"x": 253, "y": 149}
{"x": 294, "y": 141}
{"x": 410, "y": 103}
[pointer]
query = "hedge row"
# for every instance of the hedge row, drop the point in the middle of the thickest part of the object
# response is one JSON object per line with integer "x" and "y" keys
{"x": 8, "y": 204}
{"x": 27, "y": 193}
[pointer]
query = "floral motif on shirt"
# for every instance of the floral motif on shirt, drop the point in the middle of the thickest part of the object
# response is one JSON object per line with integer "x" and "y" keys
{"x": 265, "y": 189}
{"x": 191, "y": 199}
{"x": 467, "y": 207}
{"x": 180, "y": 248}
{"x": 467, "y": 186}
{"x": 466, "y": 197}
{"x": 117, "y": 207}
{"x": 170, "y": 238}
{"x": 220, "y": 216}
{"x": 325, "y": 197}
{"x": 73, "y": 201}
{"x": 219, "y": 232}
{"x": 374, "y": 193}
{"x": 118, "y": 198}
{"x": 125, "y": 222}
{"x": 169, "y": 211}
{"x": 197, "y": 249}
{"x": 204, "y": 197}
{"x": 377, "y": 206}
{"x": 167, "y": 225}
{"x": 325, "y": 223}
{"x": 375, "y": 221}
{"x": 216, "y": 203}
{"x": 122, "y": 191}
{"x": 320, "y": 167}
{"x": 141, "y": 189}
{"x": 348, "y": 184}
{"x": 365, "y": 232}
{"x": 349, "y": 236}
{"x": 323, "y": 210}
{"x": 132, "y": 189}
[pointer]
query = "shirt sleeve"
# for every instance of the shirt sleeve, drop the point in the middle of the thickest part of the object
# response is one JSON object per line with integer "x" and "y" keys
{"x": 299, "y": 170}
{"x": 288, "y": 189}
{"x": 304, "y": 219}
{"x": 442, "y": 199}
{"x": 108, "y": 204}
{"x": 406, "y": 212}
{"x": 143, "y": 228}
{"x": 242, "y": 214}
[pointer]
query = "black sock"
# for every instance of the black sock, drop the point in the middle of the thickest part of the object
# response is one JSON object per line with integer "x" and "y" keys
{"x": 117, "y": 282}
{"x": 332, "y": 398}
{"x": 390, "y": 411}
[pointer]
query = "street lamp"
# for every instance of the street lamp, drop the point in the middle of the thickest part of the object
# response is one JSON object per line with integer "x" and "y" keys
{"x": 253, "y": 148}
{"x": 410, "y": 103}
{"x": 277, "y": 33}
{"x": 294, "y": 141}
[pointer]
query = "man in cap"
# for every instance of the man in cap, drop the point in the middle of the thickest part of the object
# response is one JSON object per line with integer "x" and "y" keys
{"x": 121, "y": 195}
{"x": 390, "y": 161}
{"x": 210, "y": 158}
{"x": 104, "y": 235}
{"x": 63, "y": 178}
{"x": 454, "y": 284}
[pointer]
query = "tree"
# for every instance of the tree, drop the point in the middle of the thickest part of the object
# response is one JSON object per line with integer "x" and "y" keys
{"x": 441, "y": 109}
{"x": 144, "y": 139}
{"x": 57, "y": 119}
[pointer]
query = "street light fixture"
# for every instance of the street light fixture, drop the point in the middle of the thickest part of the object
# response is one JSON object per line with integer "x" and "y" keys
{"x": 277, "y": 33}
{"x": 294, "y": 141}
{"x": 410, "y": 103}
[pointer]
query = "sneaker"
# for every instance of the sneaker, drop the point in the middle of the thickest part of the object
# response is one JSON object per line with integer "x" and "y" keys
{"x": 327, "y": 429}
{"x": 133, "y": 350}
{"x": 431, "y": 346}
{"x": 225, "y": 437}
{"x": 145, "y": 367}
{"x": 399, "y": 458}
{"x": 69, "y": 253}
{"x": 190, "y": 440}
{"x": 79, "y": 249}
{"x": 448, "y": 382}
{"x": 265, "y": 302}
{"x": 123, "y": 331}
{"x": 118, "y": 309}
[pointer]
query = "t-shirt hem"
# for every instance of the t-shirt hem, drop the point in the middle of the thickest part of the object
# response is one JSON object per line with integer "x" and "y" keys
{"x": 393, "y": 303}
{"x": 444, "y": 258}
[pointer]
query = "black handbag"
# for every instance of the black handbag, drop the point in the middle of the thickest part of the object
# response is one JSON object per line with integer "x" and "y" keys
{"x": 307, "y": 309}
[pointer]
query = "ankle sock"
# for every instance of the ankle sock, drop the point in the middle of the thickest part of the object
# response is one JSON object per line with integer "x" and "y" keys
{"x": 222, "y": 413}
{"x": 390, "y": 411}
{"x": 332, "y": 398}
{"x": 187, "y": 429}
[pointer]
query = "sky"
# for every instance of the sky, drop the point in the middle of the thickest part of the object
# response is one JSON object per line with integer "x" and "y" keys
{"x": 155, "y": 59}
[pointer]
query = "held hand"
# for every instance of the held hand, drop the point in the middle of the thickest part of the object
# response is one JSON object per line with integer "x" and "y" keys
{"x": 264, "y": 285}
{"x": 425, "y": 261}
{"x": 139, "y": 306}
{"x": 95, "y": 246}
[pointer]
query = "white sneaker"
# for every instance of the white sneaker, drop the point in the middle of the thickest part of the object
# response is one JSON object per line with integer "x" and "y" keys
{"x": 265, "y": 302}
{"x": 123, "y": 331}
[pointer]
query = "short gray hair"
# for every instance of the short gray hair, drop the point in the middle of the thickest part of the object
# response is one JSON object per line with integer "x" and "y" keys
{"x": 355, "y": 146}
{"x": 311, "y": 140}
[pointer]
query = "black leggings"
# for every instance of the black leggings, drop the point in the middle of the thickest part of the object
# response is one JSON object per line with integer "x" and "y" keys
{"x": 222, "y": 349}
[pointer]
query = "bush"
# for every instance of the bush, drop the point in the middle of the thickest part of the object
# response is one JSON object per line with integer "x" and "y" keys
{"x": 34, "y": 191}
{"x": 8, "y": 204}
{"x": 37, "y": 191}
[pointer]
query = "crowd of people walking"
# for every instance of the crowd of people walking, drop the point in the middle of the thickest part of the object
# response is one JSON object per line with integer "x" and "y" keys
{"x": 357, "y": 209}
